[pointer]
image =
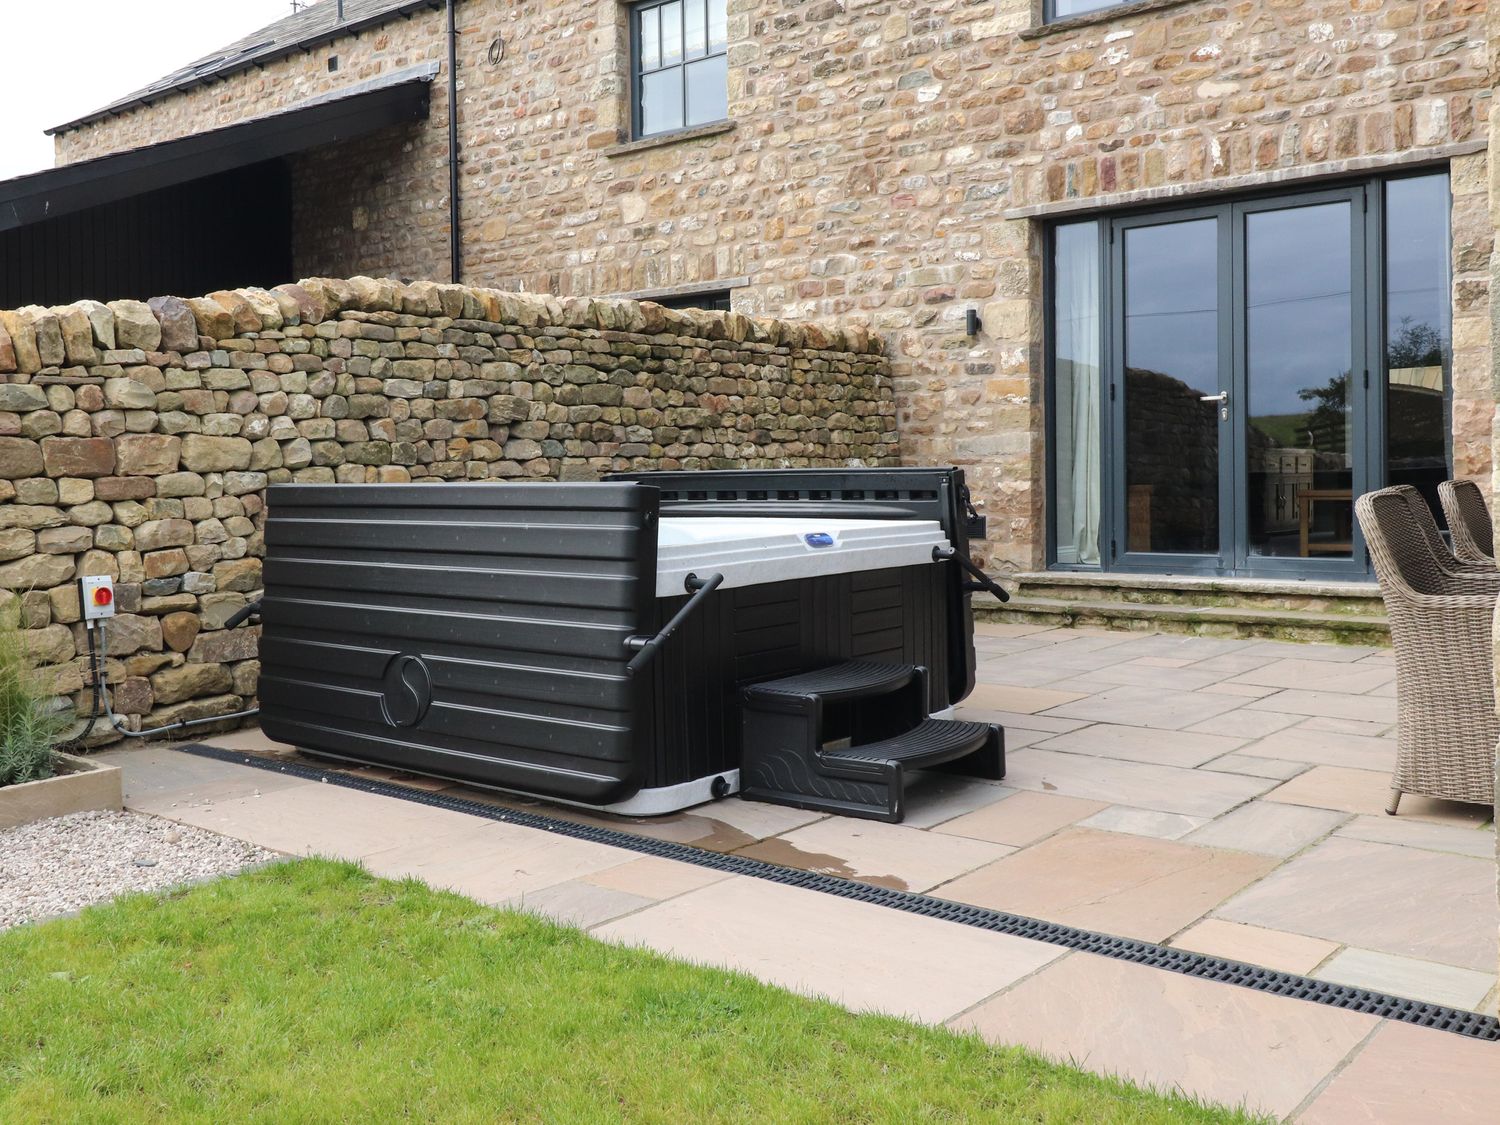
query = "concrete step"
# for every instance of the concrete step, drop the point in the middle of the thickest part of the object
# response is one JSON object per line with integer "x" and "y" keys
{"x": 1358, "y": 599}
{"x": 1196, "y": 620}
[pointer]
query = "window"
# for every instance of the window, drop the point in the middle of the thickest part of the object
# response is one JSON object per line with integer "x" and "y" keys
{"x": 1065, "y": 9}
{"x": 715, "y": 301}
{"x": 1417, "y": 334}
{"x": 1225, "y": 378}
{"x": 1076, "y": 340}
{"x": 680, "y": 65}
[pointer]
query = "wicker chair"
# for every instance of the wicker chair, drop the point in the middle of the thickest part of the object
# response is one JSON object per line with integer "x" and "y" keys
{"x": 1468, "y": 520}
{"x": 1443, "y": 632}
{"x": 1436, "y": 544}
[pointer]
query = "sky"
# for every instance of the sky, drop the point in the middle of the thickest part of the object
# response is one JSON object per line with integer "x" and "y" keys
{"x": 64, "y": 58}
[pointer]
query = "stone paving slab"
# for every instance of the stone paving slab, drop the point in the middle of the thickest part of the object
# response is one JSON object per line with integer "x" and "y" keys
{"x": 1137, "y": 784}
{"x": 1167, "y": 1031}
{"x": 1365, "y": 792}
{"x": 159, "y": 778}
{"x": 1406, "y": 976}
{"x": 1146, "y": 707}
{"x": 1410, "y": 1075}
{"x": 1362, "y": 894}
{"x": 578, "y": 902}
{"x": 1326, "y": 748}
{"x": 1255, "y": 945}
{"x": 1129, "y": 885}
{"x": 1143, "y": 822}
{"x": 887, "y": 855}
{"x": 1354, "y": 679}
{"x": 1474, "y": 842}
{"x": 495, "y": 862}
{"x": 1022, "y": 819}
{"x": 326, "y": 820}
{"x": 1328, "y": 705}
{"x": 656, "y": 879}
{"x": 1268, "y": 829}
{"x": 1140, "y": 744}
{"x": 865, "y": 957}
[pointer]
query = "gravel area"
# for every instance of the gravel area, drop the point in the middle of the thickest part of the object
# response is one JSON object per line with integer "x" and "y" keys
{"x": 57, "y": 866}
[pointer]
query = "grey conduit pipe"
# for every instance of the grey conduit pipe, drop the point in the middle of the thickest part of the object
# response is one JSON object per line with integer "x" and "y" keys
{"x": 115, "y": 720}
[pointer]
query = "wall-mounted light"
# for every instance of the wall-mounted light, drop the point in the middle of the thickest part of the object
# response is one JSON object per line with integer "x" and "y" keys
{"x": 972, "y": 323}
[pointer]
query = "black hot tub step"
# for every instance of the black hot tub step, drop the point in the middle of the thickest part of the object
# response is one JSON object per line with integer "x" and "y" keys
{"x": 866, "y": 781}
{"x": 855, "y": 679}
{"x": 933, "y": 742}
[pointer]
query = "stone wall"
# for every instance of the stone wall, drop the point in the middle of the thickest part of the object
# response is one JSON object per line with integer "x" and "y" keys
{"x": 136, "y": 440}
{"x": 888, "y": 162}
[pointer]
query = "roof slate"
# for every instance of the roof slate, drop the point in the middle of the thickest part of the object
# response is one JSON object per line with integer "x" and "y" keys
{"x": 316, "y": 24}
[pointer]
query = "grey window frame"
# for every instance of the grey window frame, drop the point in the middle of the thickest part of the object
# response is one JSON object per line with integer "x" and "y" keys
{"x": 1049, "y": 10}
{"x": 709, "y": 300}
{"x": 1366, "y": 196}
{"x": 638, "y": 73}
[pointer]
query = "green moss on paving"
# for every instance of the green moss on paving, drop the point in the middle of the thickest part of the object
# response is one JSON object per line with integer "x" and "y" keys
{"x": 311, "y": 992}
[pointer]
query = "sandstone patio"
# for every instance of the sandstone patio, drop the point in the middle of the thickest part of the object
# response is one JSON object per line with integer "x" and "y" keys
{"x": 1222, "y": 796}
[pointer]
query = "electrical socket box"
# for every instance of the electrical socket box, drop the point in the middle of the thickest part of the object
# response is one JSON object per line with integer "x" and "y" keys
{"x": 96, "y": 597}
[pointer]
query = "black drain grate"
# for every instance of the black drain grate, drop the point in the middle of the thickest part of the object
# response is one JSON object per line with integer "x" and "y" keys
{"x": 1460, "y": 1022}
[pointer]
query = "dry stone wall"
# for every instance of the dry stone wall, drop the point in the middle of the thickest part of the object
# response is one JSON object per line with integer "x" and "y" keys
{"x": 137, "y": 439}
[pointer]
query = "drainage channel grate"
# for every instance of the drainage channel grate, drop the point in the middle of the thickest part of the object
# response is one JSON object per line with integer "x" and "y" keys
{"x": 1455, "y": 1020}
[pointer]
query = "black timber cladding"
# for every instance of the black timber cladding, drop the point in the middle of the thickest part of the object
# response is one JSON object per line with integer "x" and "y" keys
{"x": 468, "y": 631}
{"x": 90, "y": 183}
{"x": 222, "y": 232}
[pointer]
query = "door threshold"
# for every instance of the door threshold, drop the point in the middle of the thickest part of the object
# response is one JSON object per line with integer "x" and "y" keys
{"x": 1135, "y": 580}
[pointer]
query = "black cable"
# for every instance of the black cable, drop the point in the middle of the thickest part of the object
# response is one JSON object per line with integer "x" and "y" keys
{"x": 76, "y": 742}
{"x": 116, "y": 722}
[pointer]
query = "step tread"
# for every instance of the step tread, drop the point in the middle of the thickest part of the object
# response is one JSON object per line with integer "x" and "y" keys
{"x": 850, "y": 680}
{"x": 1203, "y": 584}
{"x": 1149, "y": 610}
{"x": 930, "y": 742}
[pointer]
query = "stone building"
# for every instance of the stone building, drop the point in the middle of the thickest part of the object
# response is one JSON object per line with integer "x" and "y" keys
{"x": 1044, "y": 207}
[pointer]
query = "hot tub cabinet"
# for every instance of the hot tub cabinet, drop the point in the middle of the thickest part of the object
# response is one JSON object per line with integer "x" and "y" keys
{"x": 641, "y": 644}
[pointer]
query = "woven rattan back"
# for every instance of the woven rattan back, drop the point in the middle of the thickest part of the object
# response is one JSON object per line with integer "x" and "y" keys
{"x": 1404, "y": 543}
{"x": 1468, "y": 520}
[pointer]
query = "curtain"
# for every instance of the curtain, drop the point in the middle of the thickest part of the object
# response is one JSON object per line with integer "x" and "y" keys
{"x": 1077, "y": 391}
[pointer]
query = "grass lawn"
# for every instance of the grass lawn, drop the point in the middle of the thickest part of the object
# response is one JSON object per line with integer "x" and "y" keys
{"x": 309, "y": 991}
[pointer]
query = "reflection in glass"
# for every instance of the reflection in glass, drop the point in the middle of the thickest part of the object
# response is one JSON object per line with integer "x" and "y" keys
{"x": 708, "y": 90}
{"x": 1298, "y": 336}
{"x": 1062, "y": 9}
{"x": 671, "y": 33}
{"x": 1171, "y": 361}
{"x": 661, "y": 101}
{"x": 694, "y": 34}
{"x": 1076, "y": 391}
{"x": 718, "y": 25}
{"x": 650, "y": 38}
{"x": 1417, "y": 343}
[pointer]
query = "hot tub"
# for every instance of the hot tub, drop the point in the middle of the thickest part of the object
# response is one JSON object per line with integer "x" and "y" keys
{"x": 509, "y": 635}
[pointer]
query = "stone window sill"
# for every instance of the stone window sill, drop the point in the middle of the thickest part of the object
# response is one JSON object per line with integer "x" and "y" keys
{"x": 712, "y": 129}
{"x": 1103, "y": 15}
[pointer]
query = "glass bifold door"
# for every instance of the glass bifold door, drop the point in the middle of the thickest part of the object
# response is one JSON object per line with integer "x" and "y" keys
{"x": 1227, "y": 355}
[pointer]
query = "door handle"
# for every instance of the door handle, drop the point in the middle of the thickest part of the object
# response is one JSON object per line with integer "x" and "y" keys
{"x": 1222, "y": 396}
